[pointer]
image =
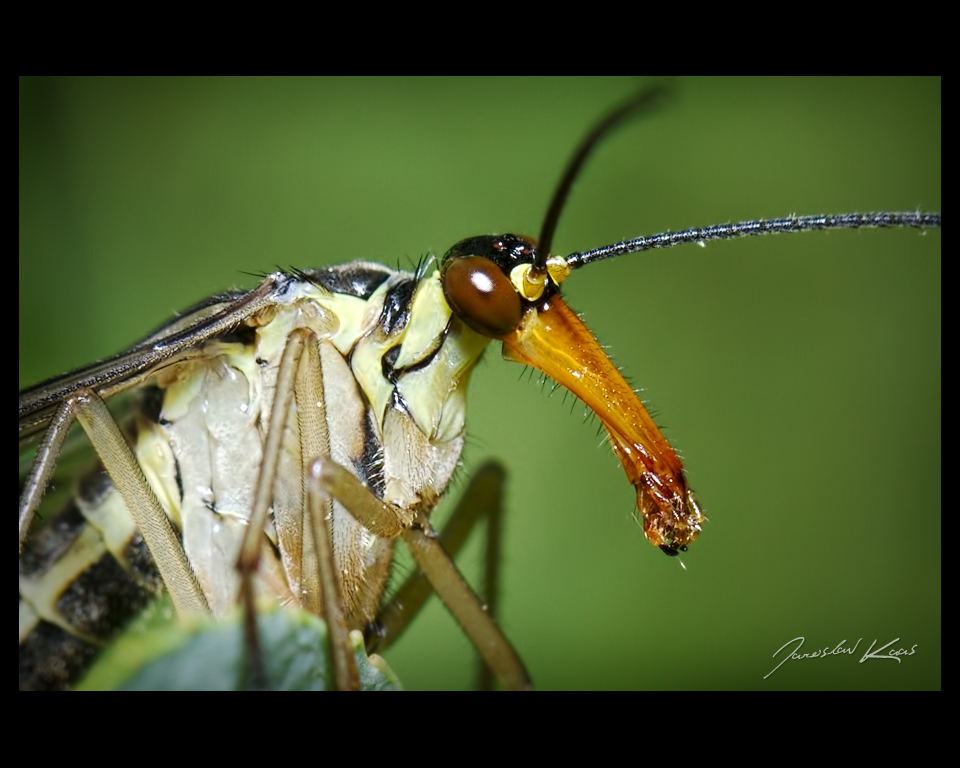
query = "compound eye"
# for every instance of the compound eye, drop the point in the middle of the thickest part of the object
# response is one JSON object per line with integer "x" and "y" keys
{"x": 481, "y": 295}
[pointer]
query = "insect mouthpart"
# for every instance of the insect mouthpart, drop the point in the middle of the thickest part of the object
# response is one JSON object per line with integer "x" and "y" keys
{"x": 672, "y": 525}
{"x": 491, "y": 283}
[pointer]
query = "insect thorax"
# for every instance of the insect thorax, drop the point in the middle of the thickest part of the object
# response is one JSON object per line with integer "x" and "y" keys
{"x": 395, "y": 368}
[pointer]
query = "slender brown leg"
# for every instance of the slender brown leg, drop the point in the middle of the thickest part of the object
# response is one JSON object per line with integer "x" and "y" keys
{"x": 249, "y": 557}
{"x": 482, "y": 498}
{"x": 345, "y": 674}
{"x": 466, "y": 608}
{"x": 318, "y": 560}
{"x": 125, "y": 473}
{"x": 44, "y": 463}
{"x": 386, "y": 520}
{"x": 299, "y": 395}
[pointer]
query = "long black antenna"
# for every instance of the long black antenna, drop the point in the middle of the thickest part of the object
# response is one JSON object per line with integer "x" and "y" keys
{"x": 758, "y": 227}
{"x": 645, "y": 99}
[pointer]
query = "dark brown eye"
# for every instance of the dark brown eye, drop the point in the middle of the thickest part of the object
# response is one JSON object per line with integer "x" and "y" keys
{"x": 481, "y": 295}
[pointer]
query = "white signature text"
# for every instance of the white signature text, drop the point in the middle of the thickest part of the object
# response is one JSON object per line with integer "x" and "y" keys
{"x": 839, "y": 650}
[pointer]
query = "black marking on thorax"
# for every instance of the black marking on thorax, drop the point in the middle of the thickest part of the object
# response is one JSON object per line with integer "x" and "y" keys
{"x": 358, "y": 278}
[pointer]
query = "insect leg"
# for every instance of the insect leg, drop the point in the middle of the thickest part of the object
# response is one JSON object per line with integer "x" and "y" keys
{"x": 318, "y": 544}
{"x": 482, "y": 498}
{"x": 299, "y": 396}
{"x": 386, "y": 520}
{"x": 44, "y": 463}
{"x": 319, "y": 513}
{"x": 125, "y": 473}
{"x": 480, "y": 627}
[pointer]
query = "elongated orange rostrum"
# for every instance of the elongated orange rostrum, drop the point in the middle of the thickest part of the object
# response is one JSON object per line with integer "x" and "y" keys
{"x": 487, "y": 281}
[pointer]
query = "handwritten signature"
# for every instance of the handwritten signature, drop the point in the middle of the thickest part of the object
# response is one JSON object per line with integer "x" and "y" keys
{"x": 840, "y": 650}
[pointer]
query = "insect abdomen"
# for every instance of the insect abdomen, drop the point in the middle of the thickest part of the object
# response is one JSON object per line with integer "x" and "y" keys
{"x": 79, "y": 585}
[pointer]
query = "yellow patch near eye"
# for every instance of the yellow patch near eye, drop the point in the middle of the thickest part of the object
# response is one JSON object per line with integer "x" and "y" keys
{"x": 429, "y": 316}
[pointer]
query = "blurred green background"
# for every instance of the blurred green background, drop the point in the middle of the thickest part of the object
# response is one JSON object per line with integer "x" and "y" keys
{"x": 799, "y": 376}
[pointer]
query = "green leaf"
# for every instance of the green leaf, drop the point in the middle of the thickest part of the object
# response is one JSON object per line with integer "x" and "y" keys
{"x": 211, "y": 655}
